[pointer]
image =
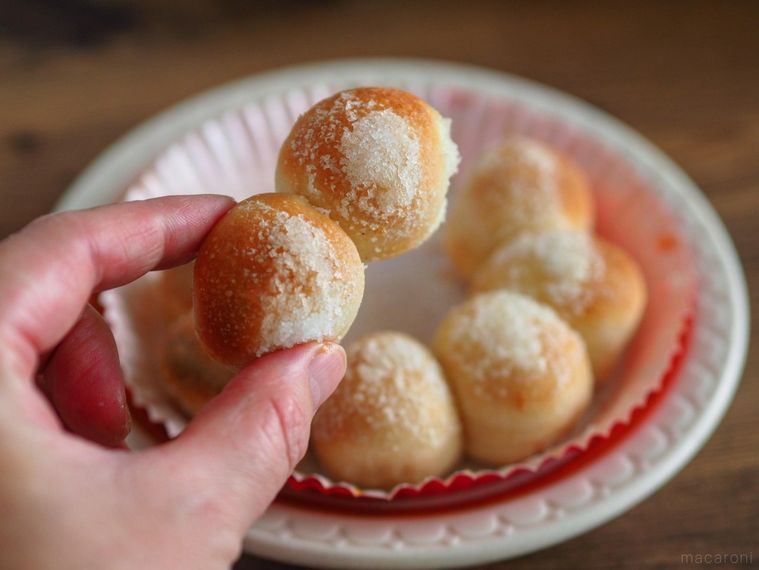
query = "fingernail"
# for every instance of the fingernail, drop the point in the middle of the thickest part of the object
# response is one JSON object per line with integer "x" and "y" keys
{"x": 325, "y": 371}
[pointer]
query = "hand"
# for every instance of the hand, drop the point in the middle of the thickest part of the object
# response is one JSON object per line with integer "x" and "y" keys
{"x": 68, "y": 502}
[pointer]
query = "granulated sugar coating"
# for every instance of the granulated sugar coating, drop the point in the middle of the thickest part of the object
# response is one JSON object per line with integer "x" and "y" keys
{"x": 380, "y": 152}
{"x": 392, "y": 419}
{"x": 378, "y": 161}
{"x": 515, "y": 339}
{"x": 272, "y": 274}
{"x": 522, "y": 376}
{"x": 562, "y": 268}
{"x": 521, "y": 186}
{"x": 529, "y": 187}
{"x": 592, "y": 284}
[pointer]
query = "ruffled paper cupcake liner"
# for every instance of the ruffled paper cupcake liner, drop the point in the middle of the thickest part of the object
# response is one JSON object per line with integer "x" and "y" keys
{"x": 236, "y": 154}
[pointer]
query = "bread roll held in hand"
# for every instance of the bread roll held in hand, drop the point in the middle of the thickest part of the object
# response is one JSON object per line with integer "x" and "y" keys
{"x": 594, "y": 285}
{"x": 521, "y": 376}
{"x": 274, "y": 273}
{"x": 392, "y": 419}
{"x": 378, "y": 161}
{"x": 520, "y": 186}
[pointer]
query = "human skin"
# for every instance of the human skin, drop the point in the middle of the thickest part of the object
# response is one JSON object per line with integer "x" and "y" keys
{"x": 71, "y": 495}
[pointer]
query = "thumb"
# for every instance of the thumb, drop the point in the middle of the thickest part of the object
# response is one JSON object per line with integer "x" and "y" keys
{"x": 248, "y": 439}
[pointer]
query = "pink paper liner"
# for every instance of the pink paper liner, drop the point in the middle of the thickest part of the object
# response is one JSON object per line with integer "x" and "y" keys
{"x": 236, "y": 155}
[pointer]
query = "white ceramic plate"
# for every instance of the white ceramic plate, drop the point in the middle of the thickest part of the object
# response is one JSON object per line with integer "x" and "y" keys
{"x": 598, "y": 491}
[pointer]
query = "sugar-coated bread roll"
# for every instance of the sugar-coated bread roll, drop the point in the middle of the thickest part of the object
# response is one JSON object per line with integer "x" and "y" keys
{"x": 595, "y": 286}
{"x": 271, "y": 274}
{"x": 521, "y": 375}
{"x": 190, "y": 376}
{"x": 175, "y": 290}
{"x": 520, "y": 186}
{"x": 378, "y": 161}
{"x": 392, "y": 419}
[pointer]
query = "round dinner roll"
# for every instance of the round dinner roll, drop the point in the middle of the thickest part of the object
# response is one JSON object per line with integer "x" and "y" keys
{"x": 190, "y": 376}
{"x": 392, "y": 419}
{"x": 520, "y": 374}
{"x": 520, "y": 186}
{"x": 378, "y": 161}
{"x": 271, "y": 274}
{"x": 594, "y": 285}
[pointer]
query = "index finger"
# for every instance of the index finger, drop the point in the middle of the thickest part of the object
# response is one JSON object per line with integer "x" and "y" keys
{"x": 50, "y": 268}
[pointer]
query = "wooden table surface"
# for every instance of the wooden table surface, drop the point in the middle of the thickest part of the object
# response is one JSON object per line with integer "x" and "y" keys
{"x": 75, "y": 75}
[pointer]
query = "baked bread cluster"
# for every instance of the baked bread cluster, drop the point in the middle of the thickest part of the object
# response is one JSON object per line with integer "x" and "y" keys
{"x": 552, "y": 306}
{"x": 594, "y": 285}
{"x": 362, "y": 176}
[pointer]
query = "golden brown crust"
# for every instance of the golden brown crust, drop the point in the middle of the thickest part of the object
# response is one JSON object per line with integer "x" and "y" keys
{"x": 392, "y": 419}
{"x": 521, "y": 186}
{"x": 385, "y": 214}
{"x": 273, "y": 273}
{"x": 610, "y": 322}
{"x": 576, "y": 197}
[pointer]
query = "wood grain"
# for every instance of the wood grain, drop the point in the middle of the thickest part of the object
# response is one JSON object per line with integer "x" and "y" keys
{"x": 76, "y": 75}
